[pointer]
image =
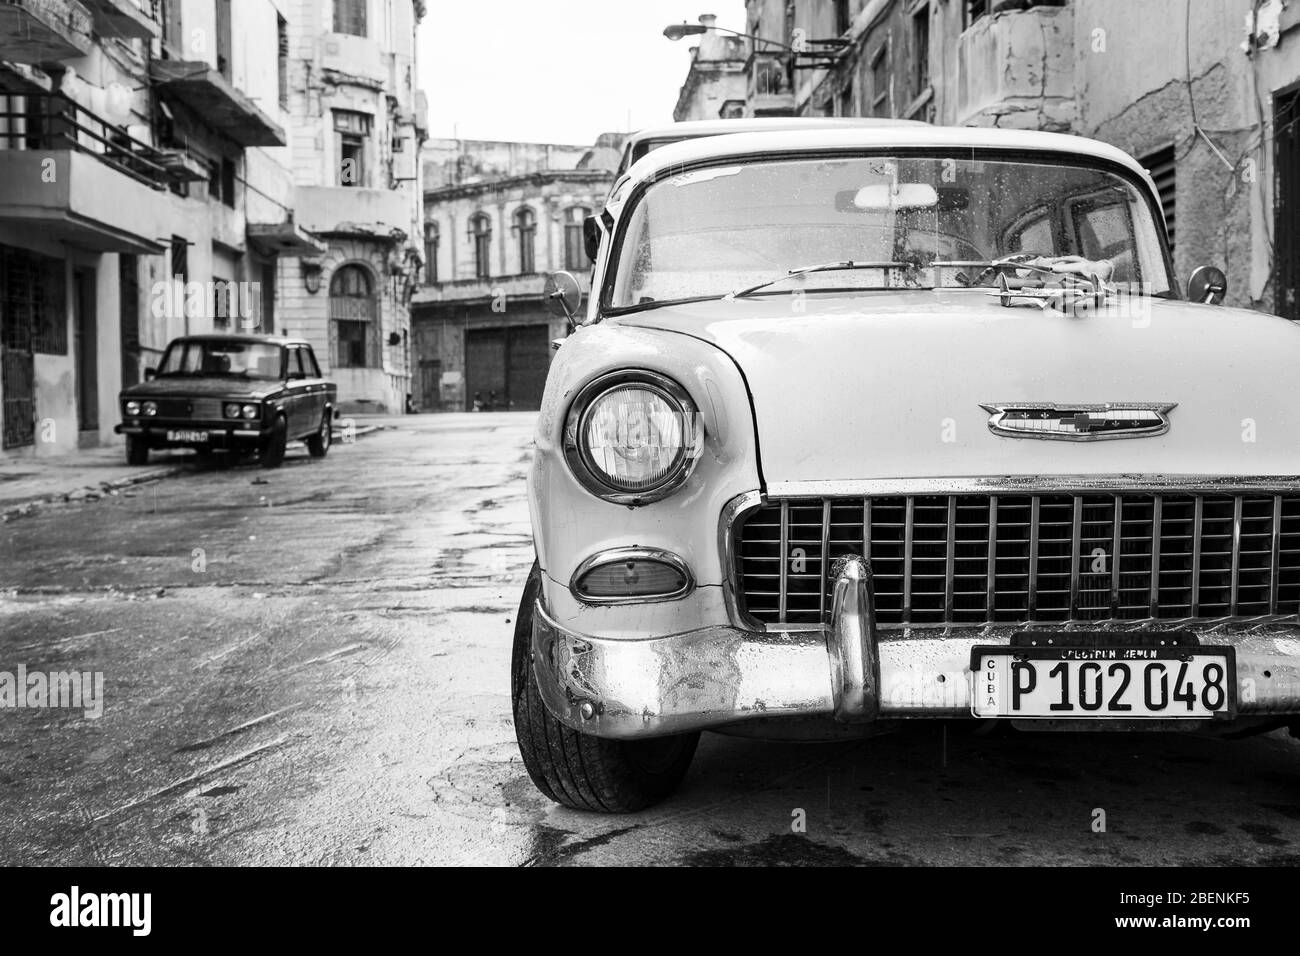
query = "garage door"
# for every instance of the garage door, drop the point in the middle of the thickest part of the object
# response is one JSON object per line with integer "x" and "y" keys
{"x": 506, "y": 368}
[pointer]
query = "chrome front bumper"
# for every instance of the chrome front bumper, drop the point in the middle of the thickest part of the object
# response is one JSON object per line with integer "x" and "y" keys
{"x": 850, "y": 671}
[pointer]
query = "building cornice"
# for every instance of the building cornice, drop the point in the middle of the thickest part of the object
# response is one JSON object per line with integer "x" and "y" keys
{"x": 536, "y": 179}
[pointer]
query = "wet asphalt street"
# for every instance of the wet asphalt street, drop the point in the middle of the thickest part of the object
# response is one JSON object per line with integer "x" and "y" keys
{"x": 311, "y": 666}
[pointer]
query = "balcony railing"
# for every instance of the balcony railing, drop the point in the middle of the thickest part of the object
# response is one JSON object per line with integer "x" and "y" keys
{"x": 53, "y": 121}
{"x": 42, "y": 31}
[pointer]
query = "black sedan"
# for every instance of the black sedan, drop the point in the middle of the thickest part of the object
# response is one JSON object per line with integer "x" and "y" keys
{"x": 241, "y": 394}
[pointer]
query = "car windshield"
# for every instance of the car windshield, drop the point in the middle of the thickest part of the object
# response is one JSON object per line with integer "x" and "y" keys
{"x": 259, "y": 360}
{"x": 883, "y": 222}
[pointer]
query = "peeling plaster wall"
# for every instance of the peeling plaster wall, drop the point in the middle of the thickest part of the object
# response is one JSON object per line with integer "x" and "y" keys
{"x": 1132, "y": 63}
{"x": 1014, "y": 70}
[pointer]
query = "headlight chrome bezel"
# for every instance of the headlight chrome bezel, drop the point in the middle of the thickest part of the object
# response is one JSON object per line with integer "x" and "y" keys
{"x": 578, "y": 457}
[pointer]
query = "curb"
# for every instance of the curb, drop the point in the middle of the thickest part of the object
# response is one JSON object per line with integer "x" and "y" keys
{"x": 95, "y": 492}
{"x": 89, "y": 492}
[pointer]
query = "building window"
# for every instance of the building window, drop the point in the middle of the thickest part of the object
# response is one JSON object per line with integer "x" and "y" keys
{"x": 843, "y": 17}
{"x": 526, "y": 227}
{"x": 732, "y": 109}
{"x": 880, "y": 81}
{"x": 351, "y": 132}
{"x": 431, "y": 252}
{"x": 575, "y": 247}
{"x": 350, "y": 17}
{"x": 480, "y": 231}
{"x": 354, "y": 325}
{"x": 1160, "y": 165}
{"x": 221, "y": 303}
{"x": 33, "y": 303}
{"x": 180, "y": 259}
{"x": 282, "y": 45}
{"x": 920, "y": 50}
{"x": 846, "y": 100}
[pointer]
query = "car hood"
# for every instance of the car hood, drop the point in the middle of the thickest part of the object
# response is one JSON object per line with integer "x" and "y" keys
{"x": 215, "y": 387}
{"x": 891, "y": 384}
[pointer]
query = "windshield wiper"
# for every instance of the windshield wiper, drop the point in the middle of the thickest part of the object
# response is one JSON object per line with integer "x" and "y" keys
{"x": 845, "y": 265}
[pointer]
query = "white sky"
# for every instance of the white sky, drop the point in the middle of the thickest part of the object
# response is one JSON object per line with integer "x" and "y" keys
{"x": 556, "y": 71}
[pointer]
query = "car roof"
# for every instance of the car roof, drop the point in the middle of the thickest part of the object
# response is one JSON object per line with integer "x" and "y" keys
{"x": 919, "y": 135}
{"x": 757, "y": 124}
{"x": 246, "y": 338}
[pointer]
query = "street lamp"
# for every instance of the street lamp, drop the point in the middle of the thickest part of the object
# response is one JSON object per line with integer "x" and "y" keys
{"x": 819, "y": 54}
{"x": 675, "y": 31}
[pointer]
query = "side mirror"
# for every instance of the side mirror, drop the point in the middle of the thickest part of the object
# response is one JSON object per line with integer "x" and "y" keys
{"x": 562, "y": 295}
{"x": 591, "y": 237}
{"x": 1207, "y": 284}
{"x": 150, "y": 373}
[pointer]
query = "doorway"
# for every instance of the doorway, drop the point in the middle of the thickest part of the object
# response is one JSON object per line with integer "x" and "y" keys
{"x": 86, "y": 350}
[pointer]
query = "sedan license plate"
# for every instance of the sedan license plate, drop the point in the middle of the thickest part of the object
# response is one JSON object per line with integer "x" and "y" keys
{"x": 185, "y": 434}
{"x": 1103, "y": 682}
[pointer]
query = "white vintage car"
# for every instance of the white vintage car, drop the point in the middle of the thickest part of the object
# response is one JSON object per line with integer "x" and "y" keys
{"x": 873, "y": 425}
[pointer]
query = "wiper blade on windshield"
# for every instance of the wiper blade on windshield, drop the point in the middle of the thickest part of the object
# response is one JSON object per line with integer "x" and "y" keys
{"x": 845, "y": 265}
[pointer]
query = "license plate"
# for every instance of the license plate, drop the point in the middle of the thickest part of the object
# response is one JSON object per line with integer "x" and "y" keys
{"x": 1103, "y": 682}
{"x": 187, "y": 435}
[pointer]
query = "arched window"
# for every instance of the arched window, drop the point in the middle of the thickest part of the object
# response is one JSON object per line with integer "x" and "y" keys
{"x": 575, "y": 249}
{"x": 526, "y": 227}
{"x": 354, "y": 318}
{"x": 480, "y": 230}
{"x": 430, "y": 253}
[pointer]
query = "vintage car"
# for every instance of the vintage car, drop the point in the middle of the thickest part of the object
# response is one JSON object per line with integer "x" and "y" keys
{"x": 238, "y": 394}
{"x": 870, "y": 426}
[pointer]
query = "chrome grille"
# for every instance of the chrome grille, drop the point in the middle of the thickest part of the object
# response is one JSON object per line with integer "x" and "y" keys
{"x": 193, "y": 409}
{"x": 971, "y": 559}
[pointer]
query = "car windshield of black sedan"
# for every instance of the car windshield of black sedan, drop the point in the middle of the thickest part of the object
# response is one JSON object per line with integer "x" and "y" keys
{"x": 882, "y": 222}
{"x": 258, "y": 360}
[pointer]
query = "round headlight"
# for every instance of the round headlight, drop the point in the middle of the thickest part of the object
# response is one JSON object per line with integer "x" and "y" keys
{"x": 231, "y": 410}
{"x": 133, "y": 408}
{"x": 151, "y": 408}
{"x": 633, "y": 437}
{"x": 250, "y": 411}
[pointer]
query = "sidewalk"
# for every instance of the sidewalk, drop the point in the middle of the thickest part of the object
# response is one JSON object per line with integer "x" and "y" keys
{"x": 94, "y": 472}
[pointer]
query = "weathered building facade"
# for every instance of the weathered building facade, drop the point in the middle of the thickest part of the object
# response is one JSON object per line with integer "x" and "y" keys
{"x": 498, "y": 218}
{"x": 356, "y": 124}
{"x": 139, "y": 142}
{"x": 715, "y": 84}
{"x": 171, "y": 167}
{"x": 1204, "y": 93}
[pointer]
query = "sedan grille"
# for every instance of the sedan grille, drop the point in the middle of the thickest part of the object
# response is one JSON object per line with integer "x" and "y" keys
{"x": 972, "y": 559}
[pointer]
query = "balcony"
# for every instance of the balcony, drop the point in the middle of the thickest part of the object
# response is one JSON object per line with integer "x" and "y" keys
{"x": 129, "y": 19}
{"x": 216, "y": 102}
{"x": 347, "y": 211}
{"x": 99, "y": 189}
{"x": 43, "y": 31}
{"x": 1016, "y": 70}
{"x": 770, "y": 91}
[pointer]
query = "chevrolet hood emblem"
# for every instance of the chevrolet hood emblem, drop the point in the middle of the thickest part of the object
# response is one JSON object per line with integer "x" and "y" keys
{"x": 1079, "y": 422}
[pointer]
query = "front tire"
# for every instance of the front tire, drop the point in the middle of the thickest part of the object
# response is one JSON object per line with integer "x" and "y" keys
{"x": 578, "y": 770}
{"x": 137, "y": 452}
{"x": 273, "y": 448}
{"x": 318, "y": 445}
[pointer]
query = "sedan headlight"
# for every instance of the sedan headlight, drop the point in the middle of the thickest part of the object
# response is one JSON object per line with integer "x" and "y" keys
{"x": 133, "y": 408}
{"x": 250, "y": 412}
{"x": 231, "y": 410}
{"x": 633, "y": 437}
{"x": 151, "y": 408}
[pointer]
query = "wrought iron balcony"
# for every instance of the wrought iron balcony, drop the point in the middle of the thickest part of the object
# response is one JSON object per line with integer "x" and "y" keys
{"x": 43, "y": 31}
{"x": 53, "y": 121}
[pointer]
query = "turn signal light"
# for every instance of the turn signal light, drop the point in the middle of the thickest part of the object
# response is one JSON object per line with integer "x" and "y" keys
{"x": 631, "y": 575}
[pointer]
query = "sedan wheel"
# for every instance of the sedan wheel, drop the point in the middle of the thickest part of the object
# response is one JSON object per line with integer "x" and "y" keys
{"x": 273, "y": 447}
{"x": 579, "y": 770}
{"x": 137, "y": 452}
{"x": 318, "y": 445}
